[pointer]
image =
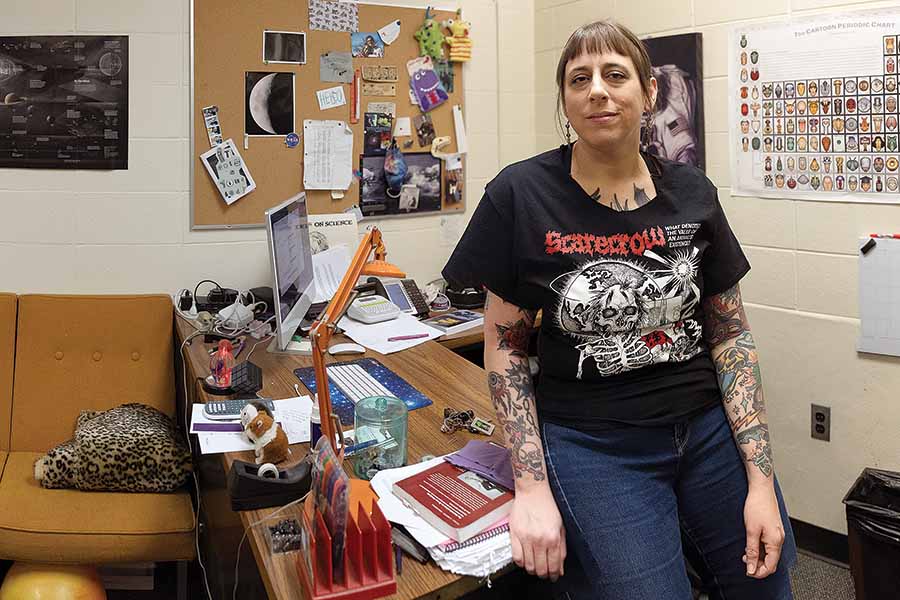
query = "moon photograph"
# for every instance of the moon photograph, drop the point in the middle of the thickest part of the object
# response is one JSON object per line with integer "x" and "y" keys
{"x": 269, "y": 103}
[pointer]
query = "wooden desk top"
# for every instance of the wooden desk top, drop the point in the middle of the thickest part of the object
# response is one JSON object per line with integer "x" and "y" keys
{"x": 446, "y": 378}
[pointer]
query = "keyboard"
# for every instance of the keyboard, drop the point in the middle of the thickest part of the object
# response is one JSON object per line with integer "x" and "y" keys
{"x": 355, "y": 382}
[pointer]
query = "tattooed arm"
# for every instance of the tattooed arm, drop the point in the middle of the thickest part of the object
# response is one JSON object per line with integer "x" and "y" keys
{"x": 731, "y": 344}
{"x": 734, "y": 352}
{"x": 536, "y": 530}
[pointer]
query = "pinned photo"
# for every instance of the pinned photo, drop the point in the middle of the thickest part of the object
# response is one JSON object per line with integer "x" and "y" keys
{"x": 213, "y": 128}
{"x": 424, "y": 129}
{"x": 366, "y": 44}
{"x": 287, "y": 47}
{"x": 269, "y": 103}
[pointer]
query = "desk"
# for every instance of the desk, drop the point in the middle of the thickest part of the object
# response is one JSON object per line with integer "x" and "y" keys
{"x": 448, "y": 379}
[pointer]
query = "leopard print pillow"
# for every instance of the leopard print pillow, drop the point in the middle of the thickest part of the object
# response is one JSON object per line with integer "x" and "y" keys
{"x": 130, "y": 448}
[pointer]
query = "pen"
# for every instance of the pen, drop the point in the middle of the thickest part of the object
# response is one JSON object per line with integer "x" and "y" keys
{"x": 400, "y": 338}
{"x": 895, "y": 236}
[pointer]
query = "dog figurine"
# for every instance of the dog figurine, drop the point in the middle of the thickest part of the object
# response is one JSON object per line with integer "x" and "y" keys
{"x": 269, "y": 440}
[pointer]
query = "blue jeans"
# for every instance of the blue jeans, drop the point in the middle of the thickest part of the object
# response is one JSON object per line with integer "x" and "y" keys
{"x": 635, "y": 500}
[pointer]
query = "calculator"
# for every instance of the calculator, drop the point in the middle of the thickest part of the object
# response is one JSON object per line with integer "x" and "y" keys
{"x": 230, "y": 410}
{"x": 372, "y": 309}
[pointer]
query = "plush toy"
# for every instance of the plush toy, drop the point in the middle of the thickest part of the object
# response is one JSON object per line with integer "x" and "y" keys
{"x": 269, "y": 440}
{"x": 430, "y": 38}
{"x": 459, "y": 41}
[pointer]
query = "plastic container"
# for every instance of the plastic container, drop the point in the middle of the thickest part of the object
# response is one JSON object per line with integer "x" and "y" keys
{"x": 873, "y": 534}
{"x": 380, "y": 427}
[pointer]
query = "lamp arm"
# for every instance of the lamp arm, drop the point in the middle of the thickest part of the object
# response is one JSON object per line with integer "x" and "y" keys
{"x": 323, "y": 328}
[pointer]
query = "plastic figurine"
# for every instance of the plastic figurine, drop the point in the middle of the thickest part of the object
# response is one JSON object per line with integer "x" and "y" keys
{"x": 220, "y": 365}
{"x": 430, "y": 38}
{"x": 459, "y": 41}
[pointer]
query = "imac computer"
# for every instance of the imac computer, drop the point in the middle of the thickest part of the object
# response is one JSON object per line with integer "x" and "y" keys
{"x": 287, "y": 228}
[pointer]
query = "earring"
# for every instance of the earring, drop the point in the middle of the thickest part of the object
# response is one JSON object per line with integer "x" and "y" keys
{"x": 568, "y": 133}
{"x": 646, "y": 120}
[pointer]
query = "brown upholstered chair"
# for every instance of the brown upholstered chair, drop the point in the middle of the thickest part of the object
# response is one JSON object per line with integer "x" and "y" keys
{"x": 74, "y": 353}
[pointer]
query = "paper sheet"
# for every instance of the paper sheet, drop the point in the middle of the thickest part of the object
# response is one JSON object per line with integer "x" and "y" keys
{"x": 462, "y": 142}
{"x": 375, "y": 336}
{"x": 879, "y": 297}
{"x": 327, "y": 155}
{"x": 330, "y": 267}
{"x": 292, "y": 413}
{"x": 336, "y": 66}
{"x": 385, "y": 108}
{"x": 331, "y": 97}
{"x": 227, "y": 170}
{"x": 403, "y": 127}
{"x": 328, "y": 15}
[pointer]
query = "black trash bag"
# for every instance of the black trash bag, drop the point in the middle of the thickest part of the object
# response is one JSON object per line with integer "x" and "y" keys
{"x": 873, "y": 504}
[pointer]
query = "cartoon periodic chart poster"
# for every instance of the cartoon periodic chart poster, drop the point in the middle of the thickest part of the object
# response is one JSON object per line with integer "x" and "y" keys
{"x": 813, "y": 108}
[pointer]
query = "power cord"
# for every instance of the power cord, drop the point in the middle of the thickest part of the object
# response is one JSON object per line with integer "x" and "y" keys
{"x": 187, "y": 429}
{"x": 237, "y": 560}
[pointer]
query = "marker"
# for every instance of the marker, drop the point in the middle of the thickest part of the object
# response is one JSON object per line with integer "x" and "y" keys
{"x": 879, "y": 236}
{"x": 401, "y": 338}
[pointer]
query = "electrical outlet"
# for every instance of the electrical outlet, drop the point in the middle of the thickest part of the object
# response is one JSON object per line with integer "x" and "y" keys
{"x": 820, "y": 423}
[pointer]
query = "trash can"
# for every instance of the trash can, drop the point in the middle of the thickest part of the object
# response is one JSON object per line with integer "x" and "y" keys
{"x": 873, "y": 534}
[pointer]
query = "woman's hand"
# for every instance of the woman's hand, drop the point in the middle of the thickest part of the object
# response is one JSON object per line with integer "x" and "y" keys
{"x": 765, "y": 531}
{"x": 536, "y": 531}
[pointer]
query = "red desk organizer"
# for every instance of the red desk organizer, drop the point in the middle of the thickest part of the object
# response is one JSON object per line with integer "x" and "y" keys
{"x": 368, "y": 557}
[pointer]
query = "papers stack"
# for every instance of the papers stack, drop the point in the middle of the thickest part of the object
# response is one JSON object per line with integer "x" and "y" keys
{"x": 381, "y": 337}
{"x": 480, "y": 556}
{"x": 292, "y": 413}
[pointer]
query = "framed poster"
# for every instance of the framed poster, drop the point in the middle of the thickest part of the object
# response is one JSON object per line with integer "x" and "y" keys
{"x": 813, "y": 108}
{"x": 676, "y": 130}
{"x": 64, "y": 101}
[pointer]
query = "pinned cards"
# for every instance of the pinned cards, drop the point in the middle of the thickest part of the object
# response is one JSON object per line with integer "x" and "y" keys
{"x": 380, "y": 73}
{"x": 390, "y": 32}
{"x": 331, "y": 98}
{"x": 378, "y": 89}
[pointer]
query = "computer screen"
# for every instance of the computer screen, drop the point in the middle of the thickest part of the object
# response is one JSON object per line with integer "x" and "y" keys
{"x": 287, "y": 227}
{"x": 397, "y": 296}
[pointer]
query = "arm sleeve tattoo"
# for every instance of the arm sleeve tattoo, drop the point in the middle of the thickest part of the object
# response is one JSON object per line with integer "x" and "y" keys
{"x": 507, "y": 331}
{"x": 734, "y": 353}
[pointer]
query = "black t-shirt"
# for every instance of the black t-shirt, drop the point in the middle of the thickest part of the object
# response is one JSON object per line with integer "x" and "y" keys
{"x": 621, "y": 337}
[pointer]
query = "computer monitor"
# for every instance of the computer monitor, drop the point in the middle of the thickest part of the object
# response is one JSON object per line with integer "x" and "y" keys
{"x": 287, "y": 227}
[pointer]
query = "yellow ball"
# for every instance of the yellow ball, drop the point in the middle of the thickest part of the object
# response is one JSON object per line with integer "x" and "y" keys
{"x": 31, "y": 581}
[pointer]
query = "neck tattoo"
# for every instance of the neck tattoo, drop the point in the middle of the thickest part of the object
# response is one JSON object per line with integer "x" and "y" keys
{"x": 621, "y": 205}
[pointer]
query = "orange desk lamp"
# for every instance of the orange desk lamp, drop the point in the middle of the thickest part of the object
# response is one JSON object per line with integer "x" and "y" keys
{"x": 323, "y": 328}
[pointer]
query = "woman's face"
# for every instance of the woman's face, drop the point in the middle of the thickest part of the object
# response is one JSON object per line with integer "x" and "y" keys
{"x": 603, "y": 98}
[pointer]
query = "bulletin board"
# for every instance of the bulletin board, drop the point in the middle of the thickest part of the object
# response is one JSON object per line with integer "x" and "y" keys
{"x": 227, "y": 42}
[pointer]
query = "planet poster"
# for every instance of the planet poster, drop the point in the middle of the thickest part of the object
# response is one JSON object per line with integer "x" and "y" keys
{"x": 269, "y": 103}
{"x": 64, "y": 102}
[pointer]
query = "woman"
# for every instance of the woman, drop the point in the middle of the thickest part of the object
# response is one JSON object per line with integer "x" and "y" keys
{"x": 646, "y": 438}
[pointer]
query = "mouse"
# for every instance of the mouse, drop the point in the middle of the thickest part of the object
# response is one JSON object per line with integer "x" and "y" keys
{"x": 345, "y": 348}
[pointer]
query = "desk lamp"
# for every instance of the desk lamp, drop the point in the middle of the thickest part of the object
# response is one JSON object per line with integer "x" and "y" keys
{"x": 323, "y": 328}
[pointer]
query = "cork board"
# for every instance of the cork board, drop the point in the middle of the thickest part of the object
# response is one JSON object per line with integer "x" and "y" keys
{"x": 227, "y": 42}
